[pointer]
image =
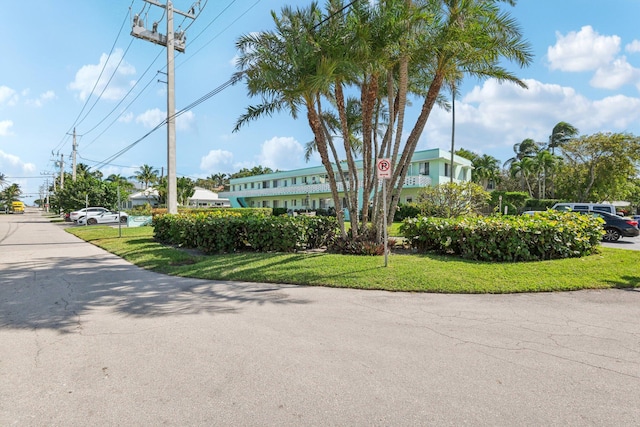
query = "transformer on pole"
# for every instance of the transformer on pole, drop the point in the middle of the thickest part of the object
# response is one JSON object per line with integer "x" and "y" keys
{"x": 171, "y": 41}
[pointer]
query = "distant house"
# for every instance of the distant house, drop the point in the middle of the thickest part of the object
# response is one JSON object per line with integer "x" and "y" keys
{"x": 202, "y": 198}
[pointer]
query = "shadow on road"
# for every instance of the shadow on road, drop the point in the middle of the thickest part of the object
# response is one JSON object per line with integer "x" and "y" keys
{"x": 54, "y": 293}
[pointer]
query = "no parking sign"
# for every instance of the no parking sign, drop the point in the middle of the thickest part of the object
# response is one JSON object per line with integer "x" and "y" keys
{"x": 383, "y": 166}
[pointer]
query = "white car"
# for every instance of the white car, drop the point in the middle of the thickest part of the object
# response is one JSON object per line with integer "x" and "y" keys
{"x": 107, "y": 217}
{"x": 76, "y": 215}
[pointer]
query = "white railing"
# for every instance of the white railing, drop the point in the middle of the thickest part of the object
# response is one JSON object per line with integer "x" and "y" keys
{"x": 303, "y": 189}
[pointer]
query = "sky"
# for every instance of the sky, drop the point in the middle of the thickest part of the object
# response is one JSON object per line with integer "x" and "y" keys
{"x": 73, "y": 64}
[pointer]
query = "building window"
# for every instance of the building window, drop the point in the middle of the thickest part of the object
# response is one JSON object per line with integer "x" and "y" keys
{"x": 245, "y": 186}
{"x": 253, "y": 185}
{"x": 265, "y": 204}
{"x": 285, "y": 182}
{"x": 446, "y": 169}
{"x": 293, "y": 181}
{"x": 304, "y": 179}
{"x": 275, "y": 204}
{"x": 409, "y": 200}
{"x": 265, "y": 184}
{"x": 275, "y": 183}
{"x": 286, "y": 204}
{"x": 424, "y": 168}
{"x": 294, "y": 202}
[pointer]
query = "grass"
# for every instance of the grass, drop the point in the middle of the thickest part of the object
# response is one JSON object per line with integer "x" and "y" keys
{"x": 610, "y": 268}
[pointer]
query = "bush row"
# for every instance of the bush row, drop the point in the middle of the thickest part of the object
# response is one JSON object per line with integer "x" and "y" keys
{"x": 548, "y": 235}
{"x": 221, "y": 232}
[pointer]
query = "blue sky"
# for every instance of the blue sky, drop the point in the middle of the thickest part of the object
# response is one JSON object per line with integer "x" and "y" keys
{"x": 586, "y": 71}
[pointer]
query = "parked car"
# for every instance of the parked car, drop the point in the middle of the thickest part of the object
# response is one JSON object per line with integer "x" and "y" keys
{"x": 107, "y": 217}
{"x": 76, "y": 215}
{"x": 617, "y": 226}
{"x": 584, "y": 207}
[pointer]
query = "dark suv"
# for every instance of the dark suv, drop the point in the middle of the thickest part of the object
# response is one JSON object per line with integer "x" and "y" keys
{"x": 616, "y": 226}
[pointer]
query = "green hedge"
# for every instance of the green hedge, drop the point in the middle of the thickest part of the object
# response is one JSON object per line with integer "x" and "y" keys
{"x": 222, "y": 232}
{"x": 547, "y": 235}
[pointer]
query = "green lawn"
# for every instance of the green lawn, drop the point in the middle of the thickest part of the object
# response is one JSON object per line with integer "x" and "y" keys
{"x": 611, "y": 268}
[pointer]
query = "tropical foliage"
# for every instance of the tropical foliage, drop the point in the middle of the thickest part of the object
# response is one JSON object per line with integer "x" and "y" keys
{"x": 385, "y": 52}
{"x": 452, "y": 199}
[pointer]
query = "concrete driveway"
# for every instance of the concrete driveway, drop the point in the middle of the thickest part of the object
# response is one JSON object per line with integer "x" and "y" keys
{"x": 88, "y": 339}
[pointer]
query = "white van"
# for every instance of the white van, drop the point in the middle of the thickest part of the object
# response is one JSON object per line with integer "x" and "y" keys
{"x": 583, "y": 207}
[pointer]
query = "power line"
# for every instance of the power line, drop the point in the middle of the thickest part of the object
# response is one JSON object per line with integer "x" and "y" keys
{"x": 95, "y": 85}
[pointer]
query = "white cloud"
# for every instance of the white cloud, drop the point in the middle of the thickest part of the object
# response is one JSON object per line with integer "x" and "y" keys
{"x": 633, "y": 47}
{"x": 151, "y": 118}
{"x": 5, "y": 127}
{"x": 8, "y": 96}
{"x": 217, "y": 161}
{"x": 185, "y": 120}
{"x": 119, "y": 85}
{"x": 493, "y": 117}
{"x": 126, "y": 118}
{"x": 283, "y": 153}
{"x": 44, "y": 97}
{"x": 582, "y": 51}
{"x": 11, "y": 164}
{"x": 615, "y": 75}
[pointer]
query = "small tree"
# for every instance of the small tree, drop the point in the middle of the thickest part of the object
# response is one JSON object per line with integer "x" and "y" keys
{"x": 453, "y": 199}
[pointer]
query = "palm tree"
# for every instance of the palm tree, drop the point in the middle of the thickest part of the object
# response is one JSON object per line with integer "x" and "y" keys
{"x": 486, "y": 169}
{"x": 386, "y": 51}
{"x": 523, "y": 168}
{"x": 146, "y": 175}
{"x": 11, "y": 193}
{"x": 527, "y": 148}
{"x": 122, "y": 182}
{"x": 561, "y": 133}
{"x": 544, "y": 162}
{"x": 3, "y": 180}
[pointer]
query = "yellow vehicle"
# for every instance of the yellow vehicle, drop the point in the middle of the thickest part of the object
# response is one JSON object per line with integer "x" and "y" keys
{"x": 17, "y": 207}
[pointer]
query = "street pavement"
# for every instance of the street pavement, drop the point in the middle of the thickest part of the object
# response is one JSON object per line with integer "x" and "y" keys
{"x": 87, "y": 339}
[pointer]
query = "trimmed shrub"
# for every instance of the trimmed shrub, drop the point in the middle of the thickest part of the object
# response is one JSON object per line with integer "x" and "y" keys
{"x": 547, "y": 235}
{"x": 225, "y": 231}
{"x": 409, "y": 210}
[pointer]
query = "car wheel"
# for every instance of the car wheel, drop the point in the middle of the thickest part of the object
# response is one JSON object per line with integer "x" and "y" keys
{"x": 92, "y": 221}
{"x": 611, "y": 235}
{"x": 123, "y": 219}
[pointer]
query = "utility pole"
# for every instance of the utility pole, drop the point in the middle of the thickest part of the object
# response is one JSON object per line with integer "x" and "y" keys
{"x": 73, "y": 156}
{"x": 61, "y": 171}
{"x": 172, "y": 42}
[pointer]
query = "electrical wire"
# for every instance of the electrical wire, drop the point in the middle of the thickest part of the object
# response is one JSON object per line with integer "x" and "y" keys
{"x": 96, "y": 83}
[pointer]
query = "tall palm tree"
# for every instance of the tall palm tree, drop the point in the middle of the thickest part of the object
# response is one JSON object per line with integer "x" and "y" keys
{"x": 385, "y": 50}
{"x": 146, "y": 175}
{"x": 527, "y": 148}
{"x": 3, "y": 180}
{"x": 544, "y": 162}
{"x": 561, "y": 133}
{"x": 122, "y": 182}
{"x": 524, "y": 169}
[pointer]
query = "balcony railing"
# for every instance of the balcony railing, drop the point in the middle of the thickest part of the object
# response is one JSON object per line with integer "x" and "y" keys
{"x": 303, "y": 189}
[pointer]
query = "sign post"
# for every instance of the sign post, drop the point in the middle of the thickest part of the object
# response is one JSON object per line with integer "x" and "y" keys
{"x": 383, "y": 167}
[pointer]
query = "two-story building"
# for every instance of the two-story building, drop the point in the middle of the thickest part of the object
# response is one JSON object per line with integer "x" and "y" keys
{"x": 308, "y": 188}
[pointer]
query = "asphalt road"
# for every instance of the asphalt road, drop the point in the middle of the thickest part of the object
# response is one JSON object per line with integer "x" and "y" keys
{"x": 87, "y": 339}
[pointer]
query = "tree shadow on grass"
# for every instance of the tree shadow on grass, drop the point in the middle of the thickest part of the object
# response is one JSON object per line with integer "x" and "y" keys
{"x": 629, "y": 283}
{"x": 55, "y": 293}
